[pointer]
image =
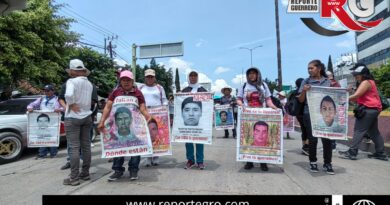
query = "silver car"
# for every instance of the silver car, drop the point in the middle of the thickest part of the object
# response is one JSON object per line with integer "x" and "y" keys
{"x": 13, "y": 128}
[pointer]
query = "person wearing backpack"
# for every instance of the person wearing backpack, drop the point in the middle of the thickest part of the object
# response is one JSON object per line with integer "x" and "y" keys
{"x": 154, "y": 95}
{"x": 317, "y": 77}
{"x": 299, "y": 116}
{"x": 255, "y": 93}
{"x": 366, "y": 114}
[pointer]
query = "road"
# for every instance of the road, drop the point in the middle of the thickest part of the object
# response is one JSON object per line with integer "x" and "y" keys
{"x": 25, "y": 181}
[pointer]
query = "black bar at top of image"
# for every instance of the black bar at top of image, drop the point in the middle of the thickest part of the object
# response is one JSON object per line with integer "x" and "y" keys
{"x": 187, "y": 199}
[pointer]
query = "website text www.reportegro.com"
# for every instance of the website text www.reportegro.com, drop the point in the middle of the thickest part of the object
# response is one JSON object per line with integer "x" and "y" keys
{"x": 187, "y": 203}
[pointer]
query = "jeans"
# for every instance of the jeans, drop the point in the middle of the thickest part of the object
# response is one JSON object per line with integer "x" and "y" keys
{"x": 42, "y": 152}
{"x": 199, "y": 152}
{"x": 326, "y": 143}
{"x": 77, "y": 134}
{"x": 118, "y": 162}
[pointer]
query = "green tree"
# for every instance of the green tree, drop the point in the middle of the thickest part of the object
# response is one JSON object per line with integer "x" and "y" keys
{"x": 382, "y": 78}
{"x": 34, "y": 43}
{"x": 330, "y": 64}
{"x": 177, "y": 80}
{"x": 272, "y": 85}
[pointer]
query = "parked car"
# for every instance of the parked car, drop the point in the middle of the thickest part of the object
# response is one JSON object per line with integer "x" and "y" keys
{"x": 13, "y": 128}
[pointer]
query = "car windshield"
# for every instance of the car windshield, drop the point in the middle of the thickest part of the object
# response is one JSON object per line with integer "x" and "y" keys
{"x": 14, "y": 107}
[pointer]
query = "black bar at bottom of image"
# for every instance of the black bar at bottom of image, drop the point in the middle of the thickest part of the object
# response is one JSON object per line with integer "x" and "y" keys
{"x": 188, "y": 199}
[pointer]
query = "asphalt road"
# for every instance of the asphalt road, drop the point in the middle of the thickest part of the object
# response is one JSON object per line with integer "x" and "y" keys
{"x": 25, "y": 181}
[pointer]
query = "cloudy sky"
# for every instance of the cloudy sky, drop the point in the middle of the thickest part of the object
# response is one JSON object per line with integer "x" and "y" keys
{"x": 213, "y": 32}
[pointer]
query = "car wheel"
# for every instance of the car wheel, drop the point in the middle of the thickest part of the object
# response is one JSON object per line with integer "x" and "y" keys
{"x": 10, "y": 147}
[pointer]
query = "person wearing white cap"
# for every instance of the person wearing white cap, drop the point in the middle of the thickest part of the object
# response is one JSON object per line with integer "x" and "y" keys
{"x": 366, "y": 114}
{"x": 228, "y": 99}
{"x": 154, "y": 96}
{"x": 78, "y": 120}
{"x": 126, "y": 88}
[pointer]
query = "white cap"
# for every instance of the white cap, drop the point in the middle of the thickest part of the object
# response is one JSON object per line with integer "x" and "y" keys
{"x": 76, "y": 64}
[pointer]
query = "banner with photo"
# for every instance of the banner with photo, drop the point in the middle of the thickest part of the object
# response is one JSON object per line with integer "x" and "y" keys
{"x": 43, "y": 129}
{"x": 223, "y": 117}
{"x": 288, "y": 123}
{"x": 159, "y": 130}
{"x": 328, "y": 109}
{"x": 193, "y": 118}
{"x": 126, "y": 131}
{"x": 260, "y": 135}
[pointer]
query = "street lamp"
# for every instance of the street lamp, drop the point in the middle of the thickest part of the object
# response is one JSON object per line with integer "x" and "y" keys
{"x": 251, "y": 49}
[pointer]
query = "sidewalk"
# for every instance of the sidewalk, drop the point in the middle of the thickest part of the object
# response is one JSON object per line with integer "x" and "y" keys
{"x": 31, "y": 178}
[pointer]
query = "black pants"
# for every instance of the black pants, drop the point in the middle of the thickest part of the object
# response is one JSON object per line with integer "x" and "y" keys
{"x": 303, "y": 127}
{"x": 326, "y": 143}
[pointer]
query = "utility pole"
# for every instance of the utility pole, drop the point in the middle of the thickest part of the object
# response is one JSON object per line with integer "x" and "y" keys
{"x": 105, "y": 46}
{"x": 110, "y": 47}
{"x": 279, "y": 55}
{"x": 134, "y": 60}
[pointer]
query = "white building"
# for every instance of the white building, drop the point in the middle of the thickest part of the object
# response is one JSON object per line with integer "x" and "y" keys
{"x": 373, "y": 46}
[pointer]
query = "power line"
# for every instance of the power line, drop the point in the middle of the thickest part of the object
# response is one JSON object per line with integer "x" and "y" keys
{"x": 86, "y": 24}
{"x": 91, "y": 22}
{"x": 88, "y": 44}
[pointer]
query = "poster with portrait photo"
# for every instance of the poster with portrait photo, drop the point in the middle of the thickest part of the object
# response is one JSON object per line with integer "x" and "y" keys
{"x": 125, "y": 131}
{"x": 260, "y": 135}
{"x": 328, "y": 109}
{"x": 288, "y": 123}
{"x": 193, "y": 118}
{"x": 43, "y": 129}
{"x": 159, "y": 130}
{"x": 223, "y": 117}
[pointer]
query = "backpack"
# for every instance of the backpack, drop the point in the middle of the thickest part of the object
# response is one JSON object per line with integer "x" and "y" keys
{"x": 293, "y": 107}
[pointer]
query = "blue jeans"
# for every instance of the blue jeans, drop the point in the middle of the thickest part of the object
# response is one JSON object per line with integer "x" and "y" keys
{"x": 118, "y": 162}
{"x": 42, "y": 152}
{"x": 199, "y": 152}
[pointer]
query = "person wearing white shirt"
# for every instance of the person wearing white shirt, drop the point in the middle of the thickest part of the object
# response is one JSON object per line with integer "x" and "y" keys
{"x": 154, "y": 95}
{"x": 78, "y": 120}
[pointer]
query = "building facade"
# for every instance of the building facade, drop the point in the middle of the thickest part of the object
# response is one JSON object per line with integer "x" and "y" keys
{"x": 373, "y": 46}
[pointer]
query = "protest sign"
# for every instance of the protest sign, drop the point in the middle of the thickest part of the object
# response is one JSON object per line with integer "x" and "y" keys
{"x": 43, "y": 129}
{"x": 288, "y": 123}
{"x": 223, "y": 117}
{"x": 328, "y": 109}
{"x": 260, "y": 135}
{"x": 125, "y": 132}
{"x": 159, "y": 130}
{"x": 193, "y": 118}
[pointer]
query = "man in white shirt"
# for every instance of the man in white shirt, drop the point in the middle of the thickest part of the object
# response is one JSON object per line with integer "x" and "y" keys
{"x": 78, "y": 120}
